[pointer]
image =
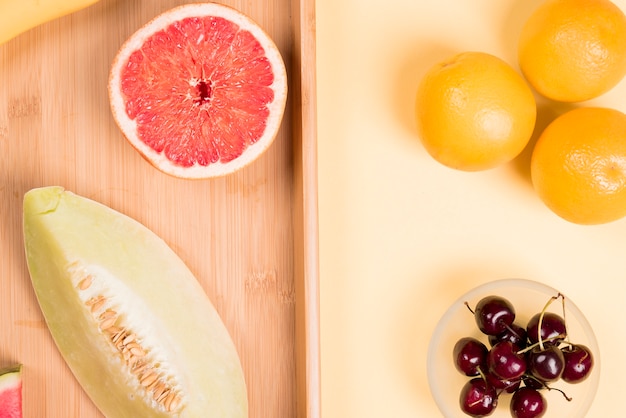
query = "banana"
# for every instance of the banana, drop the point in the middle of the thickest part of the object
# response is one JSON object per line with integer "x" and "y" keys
{"x": 18, "y": 16}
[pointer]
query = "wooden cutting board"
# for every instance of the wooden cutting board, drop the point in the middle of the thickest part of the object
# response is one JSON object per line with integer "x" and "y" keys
{"x": 250, "y": 237}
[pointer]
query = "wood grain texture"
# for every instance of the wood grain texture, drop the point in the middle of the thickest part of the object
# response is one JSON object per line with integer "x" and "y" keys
{"x": 250, "y": 237}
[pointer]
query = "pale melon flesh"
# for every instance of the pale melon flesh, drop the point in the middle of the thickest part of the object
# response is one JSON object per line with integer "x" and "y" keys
{"x": 130, "y": 319}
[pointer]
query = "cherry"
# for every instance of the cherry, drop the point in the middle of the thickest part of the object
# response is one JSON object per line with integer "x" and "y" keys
{"x": 493, "y": 314}
{"x": 508, "y": 386}
{"x": 514, "y": 333}
{"x": 533, "y": 383}
{"x": 546, "y": 364}
{"x": 470, "y": 354}
{"x": 522, "y": 361}
{"x": 553, "y": 329}
{"x": 505, "y": 362}
{"x": 527, "y": 403}
{"x": 478, "y": 399}
{"x": 578, "y": 363}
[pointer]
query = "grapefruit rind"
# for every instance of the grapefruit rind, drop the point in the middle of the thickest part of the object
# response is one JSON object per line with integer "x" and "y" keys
{"x": 276, "y": 108}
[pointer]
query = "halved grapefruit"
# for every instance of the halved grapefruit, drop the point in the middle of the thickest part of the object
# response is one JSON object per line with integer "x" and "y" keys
{"x": 199, "y": 91}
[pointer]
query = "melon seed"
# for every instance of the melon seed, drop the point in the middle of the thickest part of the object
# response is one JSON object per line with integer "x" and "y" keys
{"x": 108, "y": 322}
{"x": 98, "y": 304}
{"x": 115, "y": 333}
{"x": 167, "y": 402}
{"x": 162, "y": 396}
{"x": 117, "y": 336}
{"x": 120, "y": 345}
{"x": 152, "y": 385}
{"x": 158, "y": 389}
{"x": 107, "y": 314}
{"x": 94, "y": 299}
{"x": 132, "y": 361}
{"x": 171, "y": 402}
{"x": 137, "y": 351}
{"x": 148, "y": 378}
{"x": 131, "y": 351}
{"x": 85, "y": 283}
{"x": 126, "y": 354}
{"x": 139, "y": 367}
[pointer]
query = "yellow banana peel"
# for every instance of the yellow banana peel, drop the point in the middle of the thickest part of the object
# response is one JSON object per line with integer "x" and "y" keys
{"x": 18, "y": 16}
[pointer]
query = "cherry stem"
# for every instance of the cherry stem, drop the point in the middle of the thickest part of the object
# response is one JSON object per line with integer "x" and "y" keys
{"x": 569, "y": 399}
{"x": 545, "y": 308}
{"x": 509, "y": 328}
{"x": 482, "y": 375}
{"x": 468, "y": 307}
{"x": 539, "y": 343}
{"x": 563, "y": 307}
{"x": 545, "y": 385}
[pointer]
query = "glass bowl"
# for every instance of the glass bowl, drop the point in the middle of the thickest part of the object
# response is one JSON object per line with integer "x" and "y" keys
{"x": 528, "y": 297}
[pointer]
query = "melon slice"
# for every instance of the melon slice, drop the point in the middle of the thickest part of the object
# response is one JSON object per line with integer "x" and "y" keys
{"x": 11, "y": 392}
{"x": 132, "y": 322}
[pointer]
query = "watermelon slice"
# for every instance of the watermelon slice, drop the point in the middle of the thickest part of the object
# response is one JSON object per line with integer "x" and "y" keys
{"x": 11, "y": 392}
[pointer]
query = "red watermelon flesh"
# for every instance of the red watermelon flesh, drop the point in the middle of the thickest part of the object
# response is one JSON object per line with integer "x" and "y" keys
{"x": 11, "y": 392}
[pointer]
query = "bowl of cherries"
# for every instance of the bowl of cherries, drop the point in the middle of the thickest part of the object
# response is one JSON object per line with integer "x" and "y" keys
{"x": 513, "y": 348}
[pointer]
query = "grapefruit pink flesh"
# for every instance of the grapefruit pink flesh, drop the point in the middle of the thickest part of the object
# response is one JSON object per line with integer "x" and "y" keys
{"x": 222, "y": 84}
{"x": 11, "y": 392}
{"x": 199, "y": 88}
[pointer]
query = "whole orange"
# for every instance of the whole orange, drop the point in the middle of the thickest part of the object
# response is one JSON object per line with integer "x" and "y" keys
{"x": 474, "y": 112}
{"x": 578, "y": 166}
{"x": 574, "y": 50}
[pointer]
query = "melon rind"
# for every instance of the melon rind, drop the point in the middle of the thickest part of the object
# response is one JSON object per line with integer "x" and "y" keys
{"x": 11, "y": 392}
{"x": 163, "y": 301}
{"x": 10, "y": 376}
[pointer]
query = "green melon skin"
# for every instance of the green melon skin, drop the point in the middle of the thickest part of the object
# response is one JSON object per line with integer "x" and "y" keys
{"x": 67, "y": 238}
